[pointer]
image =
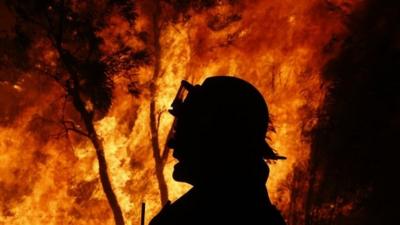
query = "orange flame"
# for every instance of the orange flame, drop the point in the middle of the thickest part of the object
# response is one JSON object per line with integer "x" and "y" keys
{"x": 279, "y": 46}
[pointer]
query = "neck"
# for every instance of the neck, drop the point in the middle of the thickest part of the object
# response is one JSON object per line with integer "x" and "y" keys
{"x": 235, "y": 191}
{"x": 234, "y": 198}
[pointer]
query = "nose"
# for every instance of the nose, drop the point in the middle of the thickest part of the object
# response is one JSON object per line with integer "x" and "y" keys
{"x": 177, "y": 154}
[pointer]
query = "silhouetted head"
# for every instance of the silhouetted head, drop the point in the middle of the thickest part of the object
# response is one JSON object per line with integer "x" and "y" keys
{"x": 219, "y": 131}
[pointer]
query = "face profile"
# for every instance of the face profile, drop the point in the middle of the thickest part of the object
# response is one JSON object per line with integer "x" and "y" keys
{"x": 216, "y": 124}
{"x": 218, "y": 140}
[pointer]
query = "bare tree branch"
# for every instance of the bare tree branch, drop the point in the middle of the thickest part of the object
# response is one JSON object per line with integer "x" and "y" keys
{"x": 71, "y": 126}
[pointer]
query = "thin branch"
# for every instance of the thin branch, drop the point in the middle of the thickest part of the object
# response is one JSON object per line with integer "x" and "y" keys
{"x": 58, "y": 135}
{"x": 71, "y": 126}
{"x": 165, "y": 154}
{"x": 69, "y": 141}
{"x": 54, "y": 77}
{"x": 79, "y": 132}
{"x": 159, "y": 114}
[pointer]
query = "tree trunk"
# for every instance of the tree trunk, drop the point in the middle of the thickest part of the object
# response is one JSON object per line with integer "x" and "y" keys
{"x": 159, "y": 162}
{"x": 87, "y": 117}
{"x": 104, "y": 178}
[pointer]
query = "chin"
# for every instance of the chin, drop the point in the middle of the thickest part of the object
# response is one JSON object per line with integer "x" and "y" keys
{"x": 180, "y": 174}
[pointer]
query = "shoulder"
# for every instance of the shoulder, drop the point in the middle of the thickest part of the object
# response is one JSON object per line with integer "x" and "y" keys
{"x": 179, "y": 212}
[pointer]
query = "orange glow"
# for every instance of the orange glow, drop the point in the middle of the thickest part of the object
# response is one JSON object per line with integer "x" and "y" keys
{"x": 279, "y": 46}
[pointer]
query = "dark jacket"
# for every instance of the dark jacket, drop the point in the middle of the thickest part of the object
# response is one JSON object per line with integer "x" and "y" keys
{"x": 194, "y": 208}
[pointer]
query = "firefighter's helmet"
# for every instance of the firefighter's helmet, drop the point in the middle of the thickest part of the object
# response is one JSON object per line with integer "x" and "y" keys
{"x": 227, "y": 107}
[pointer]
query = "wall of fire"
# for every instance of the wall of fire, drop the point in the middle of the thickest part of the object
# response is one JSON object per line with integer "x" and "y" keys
{"x": 86, "y": 81}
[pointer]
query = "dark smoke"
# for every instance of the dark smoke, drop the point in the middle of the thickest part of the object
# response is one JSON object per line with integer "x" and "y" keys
{"x": 355, "y": 145}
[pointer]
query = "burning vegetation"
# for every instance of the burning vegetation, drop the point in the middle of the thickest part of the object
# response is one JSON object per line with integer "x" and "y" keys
{"x": 85, "y": 88}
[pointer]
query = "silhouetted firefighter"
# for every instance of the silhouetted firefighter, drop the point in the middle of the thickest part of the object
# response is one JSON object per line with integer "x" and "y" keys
{"x": 218, "y": 138}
